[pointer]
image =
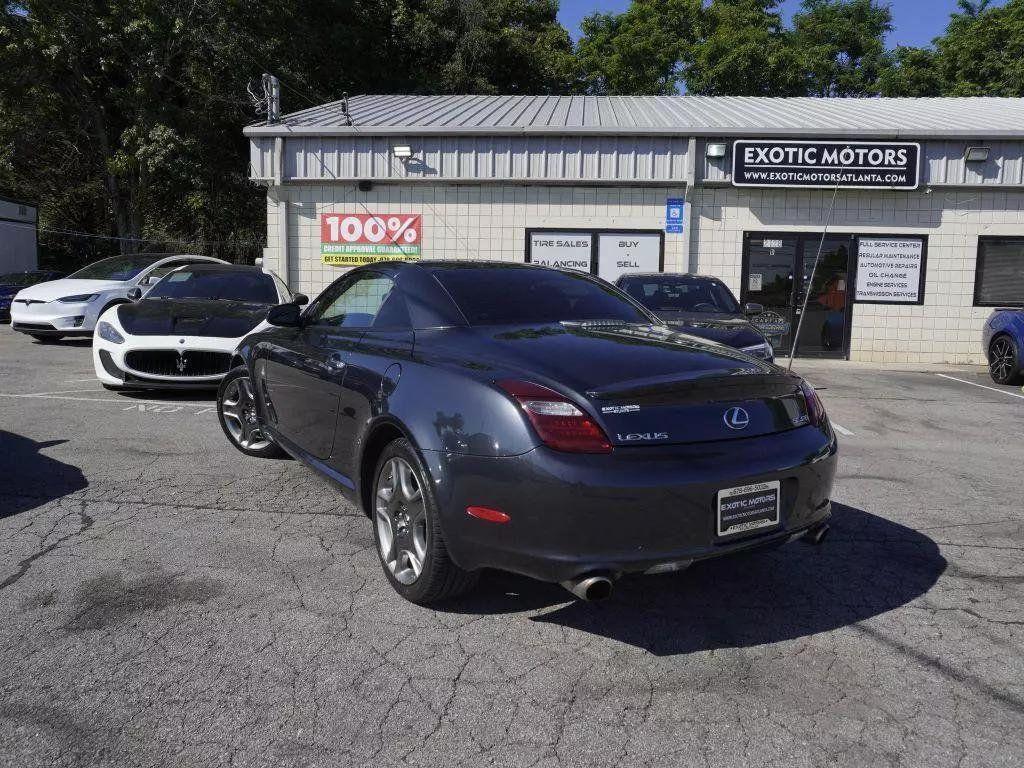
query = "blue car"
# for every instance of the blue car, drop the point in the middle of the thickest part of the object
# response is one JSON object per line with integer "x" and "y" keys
{"x": 13, "y": 282}
{"x": 1003, "y": 338}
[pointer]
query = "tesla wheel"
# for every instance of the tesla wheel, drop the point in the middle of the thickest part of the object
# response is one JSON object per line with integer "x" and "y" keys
{"x": 236, "y": 409}
{"x": 1004, "y": 360}
{"x": 405, "y": 523}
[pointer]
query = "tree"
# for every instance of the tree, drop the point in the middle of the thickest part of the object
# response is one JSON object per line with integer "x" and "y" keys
{"x": 912, "y": 72}
{"x": 639, "y": 51}
{"x": 982, "y": 51}
{"x": 842, "y": 45}
{"x": 743, "y": 50}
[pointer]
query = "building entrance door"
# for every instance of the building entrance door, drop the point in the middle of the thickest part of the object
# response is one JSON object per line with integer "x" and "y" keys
{"x": 777, "y": 274}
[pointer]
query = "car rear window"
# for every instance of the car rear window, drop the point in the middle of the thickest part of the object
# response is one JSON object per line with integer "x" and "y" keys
{"x": 522, "y": 296}
{"x": 680, "y": 294}
{"x": 253, "y": 287}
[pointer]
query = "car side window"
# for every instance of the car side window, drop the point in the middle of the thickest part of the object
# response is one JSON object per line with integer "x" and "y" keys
{"x": 356, "y": 305}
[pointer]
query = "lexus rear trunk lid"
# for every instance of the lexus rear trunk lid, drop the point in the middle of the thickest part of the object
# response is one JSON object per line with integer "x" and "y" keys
{"x": 649, "y": 385}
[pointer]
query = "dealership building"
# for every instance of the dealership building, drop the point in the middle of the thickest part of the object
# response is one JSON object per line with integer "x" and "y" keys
{"x": 913, "y": 209}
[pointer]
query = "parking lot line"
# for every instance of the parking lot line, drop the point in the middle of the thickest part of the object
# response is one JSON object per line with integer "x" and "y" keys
{"x": 981, "y": 386}
{"x": 841, "y": 430}
{"x": 122, "y": 401}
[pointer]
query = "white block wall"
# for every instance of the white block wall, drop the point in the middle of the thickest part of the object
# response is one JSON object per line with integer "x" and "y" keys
{"x": 462, "y": 221}
{"x": 489, "y": 221}
{"x": 947, "y": 327}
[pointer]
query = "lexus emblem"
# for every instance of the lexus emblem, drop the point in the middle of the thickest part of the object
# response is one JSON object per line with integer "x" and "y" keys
{"x": 736, "y": 418}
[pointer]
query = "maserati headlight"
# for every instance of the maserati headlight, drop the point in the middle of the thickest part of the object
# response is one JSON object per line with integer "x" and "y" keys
{"x": 81, "y": 298}
{"x": 763, "y": 350}
{"x": 107, "y": 332}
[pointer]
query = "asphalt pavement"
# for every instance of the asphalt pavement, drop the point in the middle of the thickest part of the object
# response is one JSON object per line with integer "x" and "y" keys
{"x": 167, "y": 601}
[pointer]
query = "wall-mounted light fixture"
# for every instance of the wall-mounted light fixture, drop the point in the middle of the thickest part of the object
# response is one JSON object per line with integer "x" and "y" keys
{"x": 402, "y": 151}
{"x": 716, "y": 150}
{"x": 976, "y": 154}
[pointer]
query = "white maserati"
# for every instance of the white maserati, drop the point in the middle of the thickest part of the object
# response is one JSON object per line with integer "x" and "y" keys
{"x": 182, "y": 334}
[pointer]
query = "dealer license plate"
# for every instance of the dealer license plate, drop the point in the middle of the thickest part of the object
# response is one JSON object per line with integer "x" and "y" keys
{"x": 748, "y": 508}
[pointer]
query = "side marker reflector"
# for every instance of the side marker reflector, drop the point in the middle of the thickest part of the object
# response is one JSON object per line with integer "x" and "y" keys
{"x": 488, "y": 514}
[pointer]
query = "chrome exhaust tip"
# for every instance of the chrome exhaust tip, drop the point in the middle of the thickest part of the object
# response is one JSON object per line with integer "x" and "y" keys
{"x": 591, "y": 588}
{"x": 817, "y": 534}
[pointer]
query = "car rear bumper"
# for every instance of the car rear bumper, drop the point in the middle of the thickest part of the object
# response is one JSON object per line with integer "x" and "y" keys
{"x": 634, "y": 510}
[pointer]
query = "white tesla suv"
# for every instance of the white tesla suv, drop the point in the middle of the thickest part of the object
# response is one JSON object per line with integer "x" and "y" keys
{"x": 70, "y": 306}
{"x": 183, "y": 333}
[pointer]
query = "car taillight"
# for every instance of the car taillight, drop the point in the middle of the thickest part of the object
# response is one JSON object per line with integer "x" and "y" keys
{"x": 815, "y": 409}
{"x": 559, "y": 423}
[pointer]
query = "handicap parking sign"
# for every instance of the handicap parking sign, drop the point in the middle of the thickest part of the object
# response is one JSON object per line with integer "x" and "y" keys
{"x": 675, "y": 208}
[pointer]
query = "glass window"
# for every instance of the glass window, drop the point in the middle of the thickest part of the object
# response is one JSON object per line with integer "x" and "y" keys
{"x": 522, "y": 295}
{"x": 117, "y": 267}
{"x": 681, "y": 294}
{"x": 234, "y": 285}
{"x": 1000, "y": 277}
{"x": 353, "y": 304}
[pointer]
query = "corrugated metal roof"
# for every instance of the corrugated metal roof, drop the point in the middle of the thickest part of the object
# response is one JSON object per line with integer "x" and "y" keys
{"x": 687, "y": 115}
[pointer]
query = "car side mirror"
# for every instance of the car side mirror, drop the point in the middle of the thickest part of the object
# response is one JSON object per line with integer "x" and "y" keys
{"x": 134, "y": 294}
{"x": 285, "y": 316}
{"x": 752, "y": 308}
{"x": 300, "y": 299}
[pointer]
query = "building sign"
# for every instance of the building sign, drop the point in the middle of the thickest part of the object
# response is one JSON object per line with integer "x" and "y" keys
{"x": 565, "y": 250}
{"x": 675, "y": 208}
{"x": 624, "y": 253}
{"x": 825, "y": 164}
{"x": 890, "y": 270}
{"x": 350, "y": 239}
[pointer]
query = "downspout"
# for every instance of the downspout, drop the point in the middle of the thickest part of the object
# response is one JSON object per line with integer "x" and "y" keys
{"x": 284, "y": 260}
{"x": 689, "y": 253}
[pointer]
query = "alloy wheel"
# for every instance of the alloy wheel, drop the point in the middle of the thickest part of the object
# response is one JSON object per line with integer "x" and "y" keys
{"x": 1002, "y": 359}
{"x": 401, "y": 520}
{"x": 239, "y": 409}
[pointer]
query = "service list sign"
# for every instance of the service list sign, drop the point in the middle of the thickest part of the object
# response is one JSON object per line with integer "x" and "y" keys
{"x": 565, "y": 250}
{"x": 825, "y": 164}
{"x": 889, "y": 269}
{"x": 351, "y": 239}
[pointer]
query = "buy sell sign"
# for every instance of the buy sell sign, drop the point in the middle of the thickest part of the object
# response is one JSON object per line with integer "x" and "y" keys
{"x": 350, "y": 239}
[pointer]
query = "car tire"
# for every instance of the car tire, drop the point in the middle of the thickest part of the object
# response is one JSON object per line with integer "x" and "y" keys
{"x": 1004, "y": 363}
{"x": 45, "y": 338}
{"x": 236, "y": 411}
{"x": 403, "y": 503}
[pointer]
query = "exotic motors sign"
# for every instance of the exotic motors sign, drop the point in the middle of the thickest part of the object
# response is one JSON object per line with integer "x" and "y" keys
{"x": 890, "y": 270}
{"x": 350, "y": 239}
{"x": 825, "y": 164}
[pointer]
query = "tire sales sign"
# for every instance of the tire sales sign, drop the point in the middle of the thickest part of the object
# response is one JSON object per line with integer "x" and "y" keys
{"x": 825, "y": 164}
{"x": 351, "y": 239}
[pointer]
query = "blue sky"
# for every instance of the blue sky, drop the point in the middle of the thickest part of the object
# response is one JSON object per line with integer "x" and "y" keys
{"x": 916, "y": 21}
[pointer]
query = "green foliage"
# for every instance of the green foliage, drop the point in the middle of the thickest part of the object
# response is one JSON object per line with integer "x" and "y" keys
{"x": 842, "y": 45}
{"x": 744, "y": 50}
{"x": 639, "y": 51}
{"x": 124, "y": 117}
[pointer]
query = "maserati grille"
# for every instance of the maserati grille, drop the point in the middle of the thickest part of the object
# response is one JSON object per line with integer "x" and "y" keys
{"x": 167, "y": 362}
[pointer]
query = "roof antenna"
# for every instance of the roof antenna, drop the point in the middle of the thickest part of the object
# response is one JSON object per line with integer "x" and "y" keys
{"x": 344, "y": 109}
{"x": 269, "y": 102}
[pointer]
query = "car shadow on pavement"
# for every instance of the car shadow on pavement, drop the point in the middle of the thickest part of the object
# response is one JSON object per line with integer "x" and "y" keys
{"x": 171, "y": 395}
{"x": 867, "y": 566}
{"x": 30, "y": 478}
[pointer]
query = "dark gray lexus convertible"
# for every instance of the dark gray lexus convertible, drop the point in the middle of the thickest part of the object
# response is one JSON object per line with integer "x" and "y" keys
{"x": 508, "y": 416}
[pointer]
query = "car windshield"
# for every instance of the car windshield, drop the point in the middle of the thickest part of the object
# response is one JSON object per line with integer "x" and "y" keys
{"x": 681, "y": 294}
{"x": 20, "y": 278}
{"x": 489, "y": 296}
{"x": 117, "y": 267}
{"x": 235, "y": 285}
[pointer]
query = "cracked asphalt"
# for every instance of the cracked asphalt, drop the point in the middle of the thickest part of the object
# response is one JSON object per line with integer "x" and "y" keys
{"x": 167, "y": 601}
